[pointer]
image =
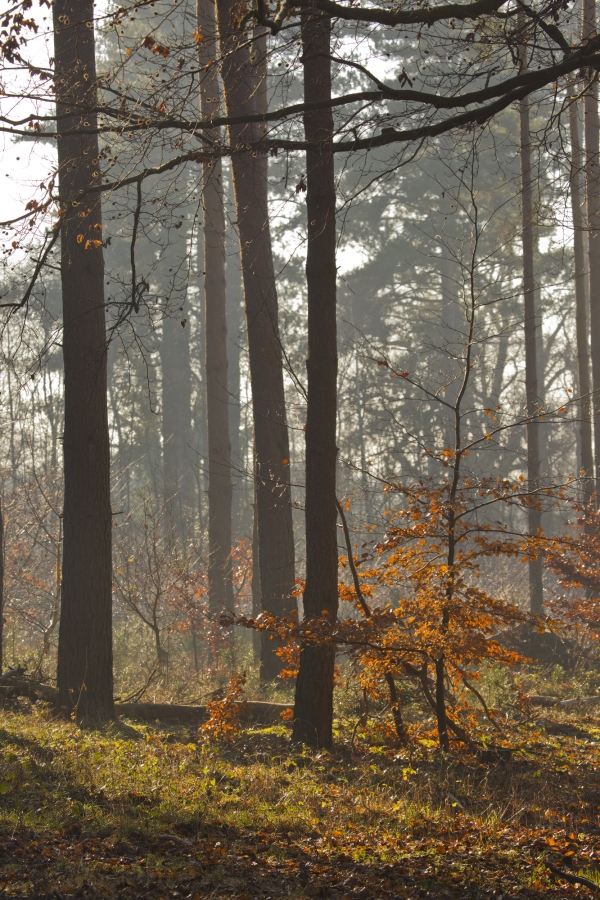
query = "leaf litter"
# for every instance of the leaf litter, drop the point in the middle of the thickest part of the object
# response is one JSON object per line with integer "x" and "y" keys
{"x": 170, "y": 815}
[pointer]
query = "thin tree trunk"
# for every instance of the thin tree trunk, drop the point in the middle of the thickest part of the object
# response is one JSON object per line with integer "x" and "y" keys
{"x": 450, "y": 336}
{"x": 499, "y": 368}
{"x": 199, "y": 409}
{"x": 581, "y": 324}
{"x": 536, "y": 591}
{"x": 85, "y": 679}
{"x": 360, "y": 411}
{"x": 57, "y": 589}
{"x": 1, "y": 586}
{"x": 176, "y": 421}
{"x": 220, "y": 490}
{"x": 541, "y": 362}
{"x": 592, "y": 174}
{"x": 235, "y": 327}
{"x": 313, "y": 711}
{"x": 195, "y": 651}
{"x": 13, "y": 418}
{"x": 271, "y": 442}
{"x": 257, "y": 606}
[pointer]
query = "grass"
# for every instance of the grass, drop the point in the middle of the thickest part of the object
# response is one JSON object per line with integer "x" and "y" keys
{"x": 136, "y": 811}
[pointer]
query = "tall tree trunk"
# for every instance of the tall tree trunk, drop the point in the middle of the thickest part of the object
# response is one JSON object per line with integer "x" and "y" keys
{"x": 176, "y": 420}
{"x": 13, "y": 419}
{"x": 581, "y": 325}
{"x": 497, "y": 381}
{"x": 1, "y": 586}
{"x": 235, "y": 329}
{"x": 541, "y": 362}
{"x": 257, "y": 606}
{"x": 220, "y": 588}
{"x": 536, "y": 591}
{"x": 313, "y": 712}
{"x": 592, "y": 176}
{"x": 360, "y": 412}
{"x": 199, "y": 406}
{"x": 85, "y": 678}
{"x": 271, "y": 442}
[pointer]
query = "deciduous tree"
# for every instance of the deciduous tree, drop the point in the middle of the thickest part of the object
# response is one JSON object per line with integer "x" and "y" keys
{"x": 85, "y": 679}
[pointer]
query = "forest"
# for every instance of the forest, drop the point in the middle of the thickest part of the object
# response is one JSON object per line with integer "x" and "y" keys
{"x": 300, "y": 449}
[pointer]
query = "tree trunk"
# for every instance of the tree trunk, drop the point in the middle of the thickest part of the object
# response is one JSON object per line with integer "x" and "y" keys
{"x": 313, "y": 712}
{"x": 257, "y": 606}
{"x": 536, "y": 591}
{"x": 220, "y": 587}
{"x": 85, "y": 679}
{"x": 1, "y": 586}
{"x": 176, "y": 421}
{"x": 581, "y": 325}
{"x": 592, "y": 175}
{"x": 199, "y": 437}
{"x": 235, "y": 328}
{"x": 273, "y": 497}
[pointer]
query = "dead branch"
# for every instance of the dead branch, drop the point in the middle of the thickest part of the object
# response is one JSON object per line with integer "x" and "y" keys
{"x": 252, "y": 712}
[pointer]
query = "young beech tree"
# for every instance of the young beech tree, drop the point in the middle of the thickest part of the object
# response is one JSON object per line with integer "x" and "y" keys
{"x": 85, "y": 679}
{"x": 444, "y": 624}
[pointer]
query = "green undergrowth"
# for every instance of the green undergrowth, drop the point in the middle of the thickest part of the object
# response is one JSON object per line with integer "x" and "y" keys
{"x": 142, "y": 811}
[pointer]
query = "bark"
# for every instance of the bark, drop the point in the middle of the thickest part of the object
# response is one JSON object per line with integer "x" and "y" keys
{"x": 271, "y": 442}
{"x": 199, "y": 438}
{"x": 85, "y": 677}
{"x": 536, "y": 591}
{"x": 257, "y": 606}
{"x": 500, "y": 367}
{"x": 313, "y": 712}
{"x": 57, "y": 588}
{"x": 592, "y": 177}
{"x": 220, "y": 489}
{"x": 1, "y": 585}
{"x": 360, "y": 414}
{"x": 176, "y": 421}
{"x": 541, "y": 355}
{"x": 581, "y": 324}
{"x": 440, "y": 705}
{"x": 235, "y": 319}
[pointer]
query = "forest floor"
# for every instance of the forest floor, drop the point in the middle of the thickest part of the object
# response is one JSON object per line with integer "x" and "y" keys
{"x": 136, "y": 812}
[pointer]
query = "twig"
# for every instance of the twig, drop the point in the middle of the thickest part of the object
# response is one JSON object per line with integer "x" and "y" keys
{"x": 135, "y": 293}
{"x": 137, "y": 695}
{"x": 55, "y": 234}
{"x": 483, "y": 703}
